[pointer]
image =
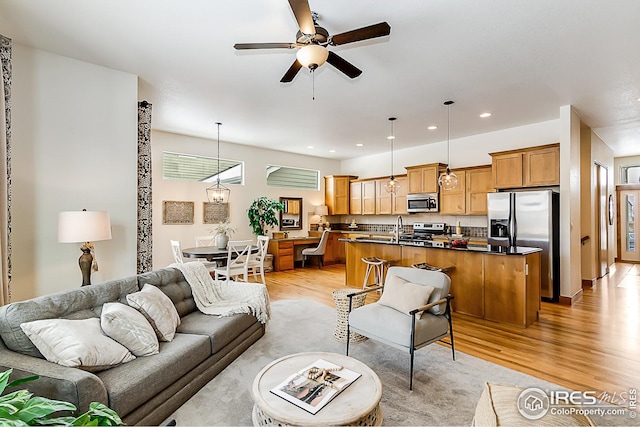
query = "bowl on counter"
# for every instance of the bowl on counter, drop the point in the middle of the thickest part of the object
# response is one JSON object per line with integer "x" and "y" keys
{"x": 458, "y": 241}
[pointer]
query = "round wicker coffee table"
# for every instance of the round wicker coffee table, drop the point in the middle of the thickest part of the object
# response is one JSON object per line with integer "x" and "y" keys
{"x": 342, "y": 310}
{"x": 358, "y": 404}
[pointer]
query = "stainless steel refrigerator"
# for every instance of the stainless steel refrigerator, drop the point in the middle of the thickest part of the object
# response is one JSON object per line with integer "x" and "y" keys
{"x": 531, "y": 219}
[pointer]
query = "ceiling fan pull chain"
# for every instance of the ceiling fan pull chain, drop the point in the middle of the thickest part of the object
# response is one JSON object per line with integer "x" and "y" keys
{"x": 313, "y": 85}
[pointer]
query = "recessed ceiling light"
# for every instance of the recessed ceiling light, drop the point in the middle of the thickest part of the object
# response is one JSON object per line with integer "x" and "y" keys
{"x": 309, "y": 146}
{"x": 432, "y": 127}
{"x": 332, "y": 151}
{"x": 485, "y": 115}
{"x": 359, "y": 145}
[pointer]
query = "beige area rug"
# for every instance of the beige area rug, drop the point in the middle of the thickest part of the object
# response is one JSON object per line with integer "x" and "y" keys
{"x": 445, "y": 391}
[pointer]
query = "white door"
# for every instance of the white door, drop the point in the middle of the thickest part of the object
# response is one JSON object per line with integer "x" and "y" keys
{"x": 628, "y": 210}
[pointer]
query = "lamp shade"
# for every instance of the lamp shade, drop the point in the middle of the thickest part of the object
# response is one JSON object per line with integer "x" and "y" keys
{"x": 312, "y": 56}
{"x": 322, "y": 210}
{"x": 83, "y": 226}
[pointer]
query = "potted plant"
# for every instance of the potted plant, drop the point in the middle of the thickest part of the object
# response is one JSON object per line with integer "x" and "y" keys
{"x": 223, "y": 232}
{"x": 262, "y": 214}
{"x": 22, "y": 408}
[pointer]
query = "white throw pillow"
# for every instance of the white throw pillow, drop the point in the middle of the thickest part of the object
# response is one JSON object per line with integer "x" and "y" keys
{"x": 76, "y": 343}
{"x": 158, "y": 309}
{"x": 130, "y": 328}
{"x": 405, "y": 296}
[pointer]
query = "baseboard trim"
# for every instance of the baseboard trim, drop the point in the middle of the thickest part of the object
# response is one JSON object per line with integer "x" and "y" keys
{"x": 588, "y": 283}
{"x": 572, "y": 299}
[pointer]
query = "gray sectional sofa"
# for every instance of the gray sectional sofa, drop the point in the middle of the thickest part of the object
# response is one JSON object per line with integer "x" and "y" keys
{"x": 148, "y": 389}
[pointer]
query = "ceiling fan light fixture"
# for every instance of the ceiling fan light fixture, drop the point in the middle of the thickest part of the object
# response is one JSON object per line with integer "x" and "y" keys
{"x": 448, "y": 180}
{"x": 312, "y": 56}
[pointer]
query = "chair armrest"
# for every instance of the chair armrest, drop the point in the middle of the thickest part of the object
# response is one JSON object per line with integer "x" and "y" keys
{"x": 432, "y": 304}
{"x": 375, "y": 288}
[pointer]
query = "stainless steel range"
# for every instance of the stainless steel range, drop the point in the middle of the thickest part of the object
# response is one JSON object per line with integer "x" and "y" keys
{"x": 423, "y": 233}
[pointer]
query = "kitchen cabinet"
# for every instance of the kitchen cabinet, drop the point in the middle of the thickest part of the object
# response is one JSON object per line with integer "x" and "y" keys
{"x": 424, "y": 178}
{"x": 527, "y": 167}
{"x": 470, "y": 195}
{"x": 362, "y": 197}
{"x": 391, "y": 203}
{"x": 336, "y": 193}
{"x": 282, "y": 251}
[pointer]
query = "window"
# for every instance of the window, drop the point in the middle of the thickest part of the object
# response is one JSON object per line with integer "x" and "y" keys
{"x": 188, "y": 167}
{"x": 629, "y": 174}
{"x": 287, "y": 177}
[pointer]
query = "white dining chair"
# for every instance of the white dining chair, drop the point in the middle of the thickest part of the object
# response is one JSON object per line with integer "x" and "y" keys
{"x": 176, "y": 250}
{"x": 237, "y": 261}
{"x": 256, "y": 261}
{"x": 205, "y": 241}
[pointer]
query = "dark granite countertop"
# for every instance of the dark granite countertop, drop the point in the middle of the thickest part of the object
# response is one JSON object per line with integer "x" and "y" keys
{"x": 483, "y": 248}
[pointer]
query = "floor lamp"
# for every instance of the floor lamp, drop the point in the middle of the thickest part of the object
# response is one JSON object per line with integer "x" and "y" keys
{"x": 84, "y": 227}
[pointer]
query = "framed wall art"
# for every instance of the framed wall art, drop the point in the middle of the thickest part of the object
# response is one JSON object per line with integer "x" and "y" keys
{"x": 215, "y": 213}
{"x": 177, "y": 213}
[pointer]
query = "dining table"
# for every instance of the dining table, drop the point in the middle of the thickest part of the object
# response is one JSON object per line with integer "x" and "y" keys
{"x": 211, "y": 253}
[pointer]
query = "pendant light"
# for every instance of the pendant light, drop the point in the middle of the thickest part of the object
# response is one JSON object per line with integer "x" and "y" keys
{"x": 392, "y": 185}
{"x": 218, "y": 193}
{"x": 448, "y": 180}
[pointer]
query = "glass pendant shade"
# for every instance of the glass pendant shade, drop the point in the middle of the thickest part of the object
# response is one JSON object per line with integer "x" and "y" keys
{"x": 448, "y": 181}
{"x": 218, "y": 193}
{"x": 312, "y": 56}
{"x": 392, "y": 185}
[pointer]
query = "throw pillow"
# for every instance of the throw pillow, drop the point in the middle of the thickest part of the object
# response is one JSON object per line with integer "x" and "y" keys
{"x": 130, "y": 328}
{"x": 76, "y": 343}
{"x": 404, "y": 296}
{"x": 158, "y": 309}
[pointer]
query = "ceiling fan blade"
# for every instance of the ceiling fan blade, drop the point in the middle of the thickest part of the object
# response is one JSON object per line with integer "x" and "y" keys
{"x": 243, "y": 46}
{"x": 342, "y": 65}
{"x": 302, "y": 13}
{"x": 291, "y": 72}
{"x": 364, "y": 33}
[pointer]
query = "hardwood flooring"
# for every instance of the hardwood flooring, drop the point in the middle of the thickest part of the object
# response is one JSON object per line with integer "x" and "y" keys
{"x": 591, "y": 345}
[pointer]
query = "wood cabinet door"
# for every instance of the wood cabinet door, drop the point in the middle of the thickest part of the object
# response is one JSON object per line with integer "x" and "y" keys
{"x": 479, "y": 183}
{"x": 399, "y": 205}
{"x": 355, "y": 204}
{"x": 505, "y": 289}
{"x": 414, "y": 177}
{"x": 383, "y": 199}
{"x": 341, "y": 197}
{"x": 368, "y": 197}
{"x": 507, "y": 170}
{"x": 454, "y": 201}
{"x": 430, "y": 175}
{"x": 542, "y": 167}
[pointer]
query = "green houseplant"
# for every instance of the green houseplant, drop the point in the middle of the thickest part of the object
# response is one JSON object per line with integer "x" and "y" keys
{"x": 22, "y": 408}
{"x": 262, "y": 214}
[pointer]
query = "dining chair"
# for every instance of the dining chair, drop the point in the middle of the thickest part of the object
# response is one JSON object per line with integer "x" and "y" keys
{"x": 176, "y": 250}
{"x": 205, "y": 241}
{"x": 238, "y": 252}
{"x": 256, "y": 261}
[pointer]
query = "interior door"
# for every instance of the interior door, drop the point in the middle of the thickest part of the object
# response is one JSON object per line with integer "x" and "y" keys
{"x": 603, "y": 219}
{"x": 628, "y": 210}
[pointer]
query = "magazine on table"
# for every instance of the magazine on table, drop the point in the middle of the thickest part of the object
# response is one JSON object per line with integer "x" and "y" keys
{"x": 314, "y": 394}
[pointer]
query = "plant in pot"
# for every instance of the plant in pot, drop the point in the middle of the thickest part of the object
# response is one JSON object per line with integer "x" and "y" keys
{"x": 223, "y": 233}
{"x": 22, "y": 408}
{"x": 262, "y": 214}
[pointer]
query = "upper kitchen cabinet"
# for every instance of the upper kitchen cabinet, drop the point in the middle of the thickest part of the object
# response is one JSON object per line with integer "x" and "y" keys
{"x": 336, "y": 193}
{"x": 470, "y": 195}
{"x": 453, "y": 202}
{"x": 362, "y": 197}
{"x": 391, "y": 203}
{"x": 527, "y": 167}
{"x": 424, "y": 178}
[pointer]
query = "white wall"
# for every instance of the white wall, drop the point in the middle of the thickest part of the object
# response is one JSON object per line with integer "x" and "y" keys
{"x": 255, "y": 163}
{"x": 74, "y": 147}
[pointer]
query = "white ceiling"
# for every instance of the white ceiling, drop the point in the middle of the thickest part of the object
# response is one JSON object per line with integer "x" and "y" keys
{"x": 518, "y": 59}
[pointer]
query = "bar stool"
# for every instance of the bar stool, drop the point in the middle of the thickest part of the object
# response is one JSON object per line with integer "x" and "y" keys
{"x": 376, "y": 265}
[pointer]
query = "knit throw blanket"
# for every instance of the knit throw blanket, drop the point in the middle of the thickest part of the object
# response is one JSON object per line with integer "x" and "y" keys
{"x": 224, "y": 298}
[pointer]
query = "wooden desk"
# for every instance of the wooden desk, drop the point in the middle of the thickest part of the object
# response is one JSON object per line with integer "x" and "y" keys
{"x": 284, "y": 250}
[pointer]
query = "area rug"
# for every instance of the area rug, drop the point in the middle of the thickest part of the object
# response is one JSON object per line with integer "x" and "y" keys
{"x": 445, "y": 392}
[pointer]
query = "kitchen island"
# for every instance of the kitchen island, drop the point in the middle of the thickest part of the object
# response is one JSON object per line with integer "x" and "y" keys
{"x": 486, "y": 281}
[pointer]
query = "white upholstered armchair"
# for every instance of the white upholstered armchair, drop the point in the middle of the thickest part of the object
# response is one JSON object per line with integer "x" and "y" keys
{"x": 413, "y": 311}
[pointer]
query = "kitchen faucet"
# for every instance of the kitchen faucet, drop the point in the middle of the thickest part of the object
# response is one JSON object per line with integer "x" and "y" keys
{"x": 398, "y": 229}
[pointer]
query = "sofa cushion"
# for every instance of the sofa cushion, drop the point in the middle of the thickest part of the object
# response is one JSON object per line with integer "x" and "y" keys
{"x": 172, "y": 283}
{"x": 130, "y": 328}
{"x": 158, "y": 309}
{"x": 134, "y": 383}
{"x": 76, "y": 343}
{"x": 77, "y": 303}
{"x": 220, "y": 330}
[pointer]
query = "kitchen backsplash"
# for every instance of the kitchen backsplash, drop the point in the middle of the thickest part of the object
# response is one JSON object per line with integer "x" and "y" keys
{"x": 407, "y": 229}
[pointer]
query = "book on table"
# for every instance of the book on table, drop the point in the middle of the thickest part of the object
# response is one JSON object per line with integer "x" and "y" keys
{"x": 314, "y": 394}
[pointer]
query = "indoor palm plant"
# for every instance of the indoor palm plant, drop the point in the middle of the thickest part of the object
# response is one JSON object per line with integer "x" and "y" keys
{"x": 22, "y": 408}
{"x": 262, "y": 214}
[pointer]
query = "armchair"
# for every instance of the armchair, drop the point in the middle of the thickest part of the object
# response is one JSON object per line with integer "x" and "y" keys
{"x": 413, "y": 311}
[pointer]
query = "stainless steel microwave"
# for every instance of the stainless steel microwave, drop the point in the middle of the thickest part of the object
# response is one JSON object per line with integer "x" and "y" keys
{"x": 426, "y": 202}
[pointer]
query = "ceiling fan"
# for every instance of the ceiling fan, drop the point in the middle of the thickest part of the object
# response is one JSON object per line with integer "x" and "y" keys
{"x": 312, "y": 41}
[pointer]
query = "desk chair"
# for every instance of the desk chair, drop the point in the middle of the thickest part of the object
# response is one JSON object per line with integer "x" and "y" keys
{"x": 318, "y": 251}
{"x": 256, "y": 261}
{"x": 238, "y": 252}
{"x": 413, "y": 311}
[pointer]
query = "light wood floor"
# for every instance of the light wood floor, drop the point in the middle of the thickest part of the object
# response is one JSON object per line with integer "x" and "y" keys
{"x": 592, "y": 345}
